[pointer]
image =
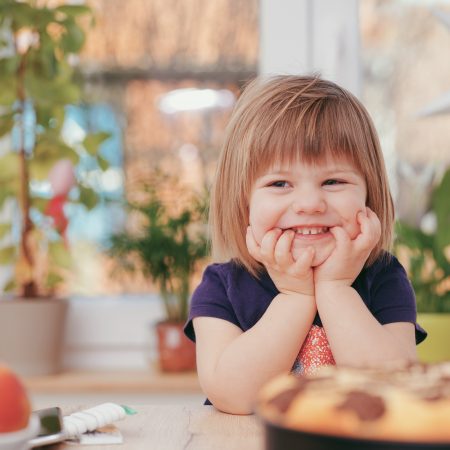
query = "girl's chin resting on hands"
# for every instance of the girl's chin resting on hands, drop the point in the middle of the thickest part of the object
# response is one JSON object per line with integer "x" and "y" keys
{"x": 323, "y": 245}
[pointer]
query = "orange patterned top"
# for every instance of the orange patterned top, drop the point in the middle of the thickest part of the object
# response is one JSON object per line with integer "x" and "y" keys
{"x": 315, "y": 352}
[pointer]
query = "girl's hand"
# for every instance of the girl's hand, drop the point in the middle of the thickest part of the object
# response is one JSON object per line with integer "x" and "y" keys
{"x": 289, "y": 276}
{"x": 348, "y": 257}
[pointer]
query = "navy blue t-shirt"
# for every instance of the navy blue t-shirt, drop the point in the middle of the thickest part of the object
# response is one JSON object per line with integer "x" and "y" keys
{"x": 229, "y": 292}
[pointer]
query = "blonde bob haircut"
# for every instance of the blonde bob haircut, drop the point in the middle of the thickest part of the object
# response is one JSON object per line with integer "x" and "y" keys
{"x": 286, "y": 119}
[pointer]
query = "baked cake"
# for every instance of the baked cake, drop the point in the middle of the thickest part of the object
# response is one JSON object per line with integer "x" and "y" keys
{"x": 400, "y": 404}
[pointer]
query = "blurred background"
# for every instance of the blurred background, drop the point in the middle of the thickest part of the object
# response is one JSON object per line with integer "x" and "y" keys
{"x": 158, "y": 81}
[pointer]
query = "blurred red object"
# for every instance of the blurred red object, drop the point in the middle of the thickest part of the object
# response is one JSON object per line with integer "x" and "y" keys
{"x": 15, "y": 408}
{"x": 55, "y": 210}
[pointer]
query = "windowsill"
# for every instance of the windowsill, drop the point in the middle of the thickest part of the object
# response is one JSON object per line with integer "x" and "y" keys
{"x": 132, "y": 381}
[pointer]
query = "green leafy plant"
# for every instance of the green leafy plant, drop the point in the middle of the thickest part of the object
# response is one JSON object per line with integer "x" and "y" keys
{"x": 427, "y": 255}
{"x": 168, "y": 244}
{"x": 37, "y": 82}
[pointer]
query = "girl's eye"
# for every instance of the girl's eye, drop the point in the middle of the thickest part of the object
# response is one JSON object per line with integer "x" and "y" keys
{"x": 279, "y": 184}
{"x": 333, "y": 182}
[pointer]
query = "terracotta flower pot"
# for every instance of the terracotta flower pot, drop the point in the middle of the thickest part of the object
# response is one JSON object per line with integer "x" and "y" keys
{"x": 176, "y": 351}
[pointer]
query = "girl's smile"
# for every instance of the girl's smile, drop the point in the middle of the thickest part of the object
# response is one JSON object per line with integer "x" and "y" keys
{"x": 308, "y": 199}
{"x": 310, "y": 231}
{"x": 320, "y": 238}
{"x": 306, "y": 235}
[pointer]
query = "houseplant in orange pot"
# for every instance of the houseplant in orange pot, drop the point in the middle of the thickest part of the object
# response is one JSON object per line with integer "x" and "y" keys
{"x": 168, "y": 245}
{"x": 426, "y": 255}
{"x": 37, "y": 172}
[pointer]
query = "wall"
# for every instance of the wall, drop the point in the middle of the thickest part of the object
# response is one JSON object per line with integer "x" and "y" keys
{"x": 111, "y": 332}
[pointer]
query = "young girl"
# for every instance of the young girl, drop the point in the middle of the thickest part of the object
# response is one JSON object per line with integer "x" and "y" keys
{"x": 302, "y": 212}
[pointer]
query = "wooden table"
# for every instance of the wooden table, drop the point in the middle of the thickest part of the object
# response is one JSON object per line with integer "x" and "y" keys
{"x": 144, "y": 381}
{"x": 181, "y": 427}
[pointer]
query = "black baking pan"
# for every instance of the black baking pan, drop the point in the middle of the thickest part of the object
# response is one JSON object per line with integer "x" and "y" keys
{"x": 279, "y": 438}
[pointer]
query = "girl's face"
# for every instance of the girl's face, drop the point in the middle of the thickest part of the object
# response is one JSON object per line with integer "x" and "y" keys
{"x": 310, "y": 199}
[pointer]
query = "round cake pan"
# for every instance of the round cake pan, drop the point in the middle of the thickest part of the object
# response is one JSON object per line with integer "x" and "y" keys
{"x": 279, "y": 438}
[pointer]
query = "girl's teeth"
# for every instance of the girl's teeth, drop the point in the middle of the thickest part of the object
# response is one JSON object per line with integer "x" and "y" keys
{"x": 308, "y": 231}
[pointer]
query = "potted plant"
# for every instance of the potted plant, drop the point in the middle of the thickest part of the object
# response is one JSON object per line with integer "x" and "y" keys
{"x": 426, "y": 254}
{"x": 37, "y": 174}
{"x": 167, "y": 245}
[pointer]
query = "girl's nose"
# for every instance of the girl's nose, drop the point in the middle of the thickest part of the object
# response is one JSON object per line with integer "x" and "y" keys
{"x": 309, "y": 203}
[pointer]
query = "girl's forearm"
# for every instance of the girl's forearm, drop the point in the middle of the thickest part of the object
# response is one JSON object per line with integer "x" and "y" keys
{"x": 267, "y": 349}
{"x": 356, "y": 338}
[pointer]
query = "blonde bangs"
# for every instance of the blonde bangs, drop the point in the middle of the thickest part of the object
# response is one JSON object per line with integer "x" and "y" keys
{"x": 308, "y": 133}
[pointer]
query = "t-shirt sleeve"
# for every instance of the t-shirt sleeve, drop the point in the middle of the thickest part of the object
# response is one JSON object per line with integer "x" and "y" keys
{"x": 211, "y": 299}
{"x": 393, "y": 298}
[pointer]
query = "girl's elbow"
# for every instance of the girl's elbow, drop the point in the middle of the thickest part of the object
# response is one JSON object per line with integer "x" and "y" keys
{"x": 233, "y": 407}
{"x": 227, "y": 400}
{"x": 230, "y": 403}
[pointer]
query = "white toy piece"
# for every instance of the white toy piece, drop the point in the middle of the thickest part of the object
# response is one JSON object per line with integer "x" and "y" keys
{"x": 93, "y": 418}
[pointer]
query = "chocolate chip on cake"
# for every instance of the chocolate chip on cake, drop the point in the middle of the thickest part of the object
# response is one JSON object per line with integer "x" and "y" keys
{"x": 364, "y": 405}
{"x": 283, "y": 400}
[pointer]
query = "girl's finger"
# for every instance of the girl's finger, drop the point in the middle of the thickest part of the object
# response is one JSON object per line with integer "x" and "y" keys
{"x": 374, "y": 220}
{"x": 341, "y": 237}
{"x": 370, "y": 230}
{"x": 252, "y": 246}
{"x": 304, "y": 261}
{"x": 282, "y": 252}
{"x": 268, "y": 243}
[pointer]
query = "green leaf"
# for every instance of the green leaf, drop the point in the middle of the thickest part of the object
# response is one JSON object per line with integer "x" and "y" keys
{"x": 9, "y": 167}
{"x": 103, "y": 163}
{"x": 413, "y": 237}
{"x": 93, "y": 141}
{"x": 9, "y": 66}
{"x": 73, "y": 39}
{"x": 10, "y": 285}
{"x": 441, "y": 207}
{"x": 51, "y": 92}
{"x": 49, "y": 149}
{"x": 73, "y": 10}
{"x": 60, "y": 255}
{"x": 8, "y": 91}
{"x": 10, "y": 187}
{"x": 54, "y": 147}
{"x": 39, "y": 170}
{"x": 5, "y": 228}
{"x": 50, "y": 117}
{"x": 22, "y": 15}
{"x": 43, "y": 60}
{"x": 4, "y": 194}
{"x": 39, "y": 203}
{"x": 53, "y": 279}
{"x": 88, "y": 197}
{"x": 6, "y": 123}
{"x": 7, "y": 255}
{"x": 5, "y": 7}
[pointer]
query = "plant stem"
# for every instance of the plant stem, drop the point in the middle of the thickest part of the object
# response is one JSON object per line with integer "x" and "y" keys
{"x": 29, "y": 288}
